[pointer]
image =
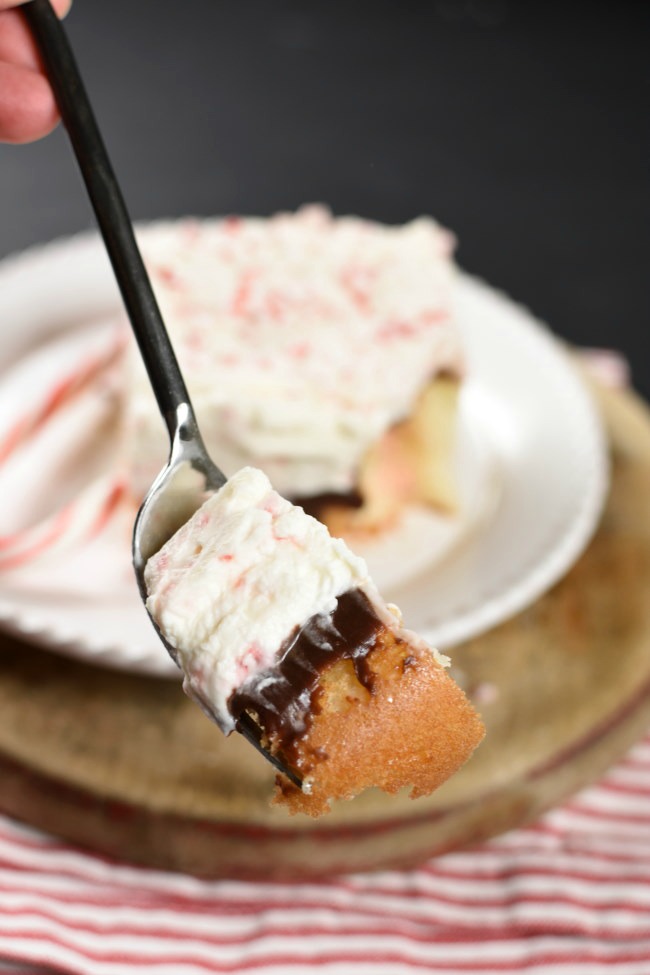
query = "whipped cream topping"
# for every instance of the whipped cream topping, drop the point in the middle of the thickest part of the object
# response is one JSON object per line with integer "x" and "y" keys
{"x": 302, "y": 338}
{"x": 237, "y": 579}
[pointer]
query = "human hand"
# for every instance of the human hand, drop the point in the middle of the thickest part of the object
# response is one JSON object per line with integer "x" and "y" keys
{"x": 27, "y": 107}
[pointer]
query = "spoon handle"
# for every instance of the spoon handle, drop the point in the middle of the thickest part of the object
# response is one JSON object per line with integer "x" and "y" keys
{"x": 110, "y": 210}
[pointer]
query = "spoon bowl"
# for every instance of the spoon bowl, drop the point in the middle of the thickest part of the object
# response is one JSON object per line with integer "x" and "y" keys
{"x": 185, "y": 482}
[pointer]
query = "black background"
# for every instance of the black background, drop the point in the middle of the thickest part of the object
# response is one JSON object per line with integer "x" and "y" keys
{"x": 522, "y": 126}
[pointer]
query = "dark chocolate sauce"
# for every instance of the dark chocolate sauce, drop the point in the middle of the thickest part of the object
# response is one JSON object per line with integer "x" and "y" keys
{"x": 315, "y": 504}
{"x": 282, "y": 695}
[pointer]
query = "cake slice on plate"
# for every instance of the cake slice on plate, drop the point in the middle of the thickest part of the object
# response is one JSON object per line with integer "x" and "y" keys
{"x": 321, "y": 349}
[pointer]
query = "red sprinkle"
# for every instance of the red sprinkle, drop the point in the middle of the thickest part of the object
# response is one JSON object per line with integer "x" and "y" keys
{"x": 300, "y": 351}
{"x": 169, "y": 276}
{"x": 232, "y": 224}
{"x": 396, "y": 329}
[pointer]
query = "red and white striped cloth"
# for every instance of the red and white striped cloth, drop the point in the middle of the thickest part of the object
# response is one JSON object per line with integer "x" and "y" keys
{"x": 570, "y": 894}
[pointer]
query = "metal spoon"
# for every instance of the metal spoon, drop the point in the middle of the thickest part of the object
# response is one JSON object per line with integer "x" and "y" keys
{"x": 190, "y": 475}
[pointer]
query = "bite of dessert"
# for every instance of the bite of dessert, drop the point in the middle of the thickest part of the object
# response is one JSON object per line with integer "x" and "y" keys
{"x": 273, "y": 619}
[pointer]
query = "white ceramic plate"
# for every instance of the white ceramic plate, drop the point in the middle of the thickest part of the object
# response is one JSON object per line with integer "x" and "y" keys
{"x": 532, "y": 464}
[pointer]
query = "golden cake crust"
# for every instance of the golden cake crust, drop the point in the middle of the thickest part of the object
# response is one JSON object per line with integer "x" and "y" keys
{"x": 413, "y": 727}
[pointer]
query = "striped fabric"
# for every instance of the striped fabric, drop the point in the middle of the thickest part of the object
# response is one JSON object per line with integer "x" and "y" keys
{"x": 570, "y": 894}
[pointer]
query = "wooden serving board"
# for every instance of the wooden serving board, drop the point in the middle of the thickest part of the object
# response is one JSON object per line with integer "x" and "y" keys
{"x": 127, "y": 766}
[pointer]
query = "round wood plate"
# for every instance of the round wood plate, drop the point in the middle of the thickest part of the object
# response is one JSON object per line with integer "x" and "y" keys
{"x": 127, "y": 766}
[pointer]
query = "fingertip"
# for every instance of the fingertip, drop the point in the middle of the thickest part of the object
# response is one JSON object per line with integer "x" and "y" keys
{"x": 27, "y": 107}
{"x": 17, "y": 45}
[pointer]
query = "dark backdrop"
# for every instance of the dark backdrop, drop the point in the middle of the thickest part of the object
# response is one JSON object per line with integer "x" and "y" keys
{"x": 523, "y": 126}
